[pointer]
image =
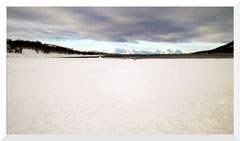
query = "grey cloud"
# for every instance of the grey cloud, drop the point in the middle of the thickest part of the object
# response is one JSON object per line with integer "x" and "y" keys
{"x": 160, "y": 24}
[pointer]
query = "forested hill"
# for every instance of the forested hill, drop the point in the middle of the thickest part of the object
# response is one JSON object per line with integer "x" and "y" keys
{"x": 16, "y": 46}
{"x": 225, "y": 49}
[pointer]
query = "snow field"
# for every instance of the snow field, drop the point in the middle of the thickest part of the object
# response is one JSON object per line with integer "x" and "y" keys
{"x": 119, "y": 96}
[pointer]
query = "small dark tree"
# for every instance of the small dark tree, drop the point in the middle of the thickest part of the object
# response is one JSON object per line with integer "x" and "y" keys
{"x": 20, "y": 50}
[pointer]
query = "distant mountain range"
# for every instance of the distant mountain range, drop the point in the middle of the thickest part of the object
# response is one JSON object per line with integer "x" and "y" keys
{"x": 16, "y": 46}
{"x": 134, "y": 51}
{"x": 228, "y": 48}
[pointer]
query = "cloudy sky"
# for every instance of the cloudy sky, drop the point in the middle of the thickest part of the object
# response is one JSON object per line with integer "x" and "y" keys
{"x": 149, "y": 29}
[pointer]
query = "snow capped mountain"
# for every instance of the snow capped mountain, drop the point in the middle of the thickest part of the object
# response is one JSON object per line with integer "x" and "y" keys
{"x": 171, "y": 51}
{"x": 160, "y": 52}
{"x": 135, "y": 51}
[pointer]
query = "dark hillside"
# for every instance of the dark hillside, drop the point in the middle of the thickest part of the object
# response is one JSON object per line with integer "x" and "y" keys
{"x": 228, "y": 48}
{"x": 16, "y": 46}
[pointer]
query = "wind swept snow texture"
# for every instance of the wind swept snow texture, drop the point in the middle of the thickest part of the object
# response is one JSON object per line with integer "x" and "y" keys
{"x": 119, "y": 96}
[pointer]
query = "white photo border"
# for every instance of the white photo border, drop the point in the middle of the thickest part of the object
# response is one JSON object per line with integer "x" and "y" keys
{"x": 152, "y": 3}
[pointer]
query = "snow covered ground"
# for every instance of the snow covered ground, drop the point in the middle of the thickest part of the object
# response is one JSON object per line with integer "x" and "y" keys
{"x": 119, "y": 96}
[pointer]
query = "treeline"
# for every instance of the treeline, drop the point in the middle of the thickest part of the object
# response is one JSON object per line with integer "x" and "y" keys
{"x": 16, "y": 46}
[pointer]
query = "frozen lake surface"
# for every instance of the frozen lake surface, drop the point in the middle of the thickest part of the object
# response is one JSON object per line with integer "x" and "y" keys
{"x": 119, "y": 96}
